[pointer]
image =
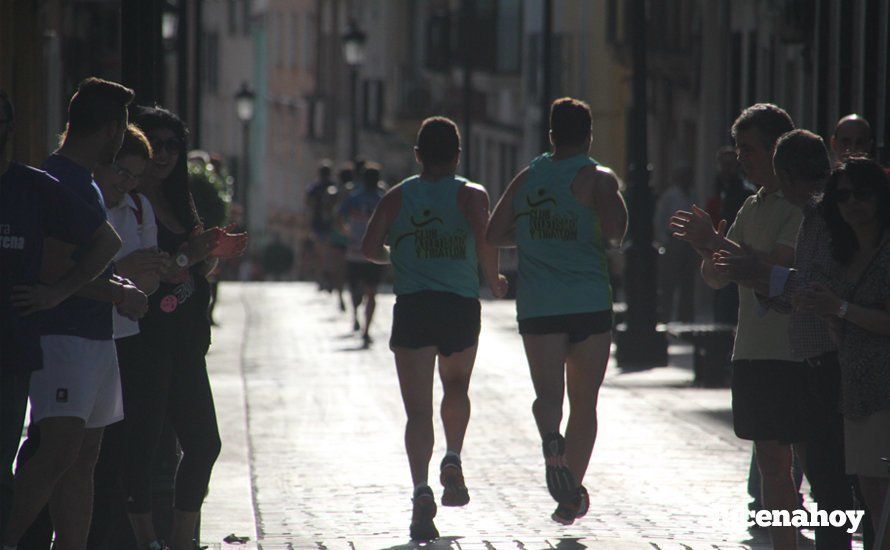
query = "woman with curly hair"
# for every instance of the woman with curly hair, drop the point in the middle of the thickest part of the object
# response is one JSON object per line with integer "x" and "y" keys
{"x": 856, "y": 208}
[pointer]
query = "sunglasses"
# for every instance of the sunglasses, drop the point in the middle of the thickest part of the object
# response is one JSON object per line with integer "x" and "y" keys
{"x": 172, "y": 145}
{"x": 861, "y": 194}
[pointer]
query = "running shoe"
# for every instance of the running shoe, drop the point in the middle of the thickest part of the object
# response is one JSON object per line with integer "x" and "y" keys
{"x": 567, "y": 512}
{"x": 452, "y": 477}
{"x": 560, "y": 481}
{"x": 422, "y": 526}
{"x": 355, "y": 326}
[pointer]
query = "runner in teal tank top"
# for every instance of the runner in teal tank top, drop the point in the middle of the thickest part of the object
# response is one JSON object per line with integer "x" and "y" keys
{"x": 432, "y": 228}
{"x": 560, "y": 213}
{"x": 562, "y": 260}
{"x": 431, "y": 243}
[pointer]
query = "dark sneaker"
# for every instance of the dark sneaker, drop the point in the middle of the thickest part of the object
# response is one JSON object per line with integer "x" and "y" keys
{"x": 355, "y": 326}
{"x": 367, "y": 340}
{"x": 567, "y": 512}
{"x": 422, "y": 526}
{"x": 452, "y": 478}
{"x": 560, "y": 481}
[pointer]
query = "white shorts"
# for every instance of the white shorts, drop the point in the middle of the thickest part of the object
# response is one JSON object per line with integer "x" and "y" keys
{"x": 79, "y": 379}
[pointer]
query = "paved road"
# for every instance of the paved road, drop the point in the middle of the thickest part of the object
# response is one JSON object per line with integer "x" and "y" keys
{"x": 313, "y": 454}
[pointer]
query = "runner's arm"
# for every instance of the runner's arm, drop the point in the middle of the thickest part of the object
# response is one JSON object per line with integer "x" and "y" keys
{"x": 374, "y": 242}
{"x": 608, "y": 204}
{"x": 66, "y": 277}
{"x": 475, "y": 207}
{"x": 501, "y": 231}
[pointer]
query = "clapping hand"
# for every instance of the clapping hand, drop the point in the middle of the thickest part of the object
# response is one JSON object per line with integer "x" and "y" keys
{"x": 134, "y": 303}
{"x": 744, "y": 265}
{"x": 230, "y": 245}
{"x": 697, "y": 228}
{"x": 819, "y": 299}
{"x": 202, "y": 243}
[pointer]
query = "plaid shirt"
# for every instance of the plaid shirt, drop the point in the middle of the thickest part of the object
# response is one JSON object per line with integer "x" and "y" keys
{"x": 808, "y": 333}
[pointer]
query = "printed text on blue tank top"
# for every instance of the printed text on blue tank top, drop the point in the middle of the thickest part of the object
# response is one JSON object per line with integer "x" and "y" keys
{"x": 429, "y": 240}
{"x": 544, "y": 223}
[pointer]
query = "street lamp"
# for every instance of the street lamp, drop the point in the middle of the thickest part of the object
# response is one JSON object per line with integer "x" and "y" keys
{"x": 638, "y": 341}
{"x": 244, "y": 103}
{"x": 354, "y": 54}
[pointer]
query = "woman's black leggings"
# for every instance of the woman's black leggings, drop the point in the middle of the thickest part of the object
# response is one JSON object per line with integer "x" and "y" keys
{"x": 163, "y": 377}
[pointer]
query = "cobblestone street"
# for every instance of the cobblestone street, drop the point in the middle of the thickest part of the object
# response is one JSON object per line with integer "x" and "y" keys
{"x": 313, "y": 454}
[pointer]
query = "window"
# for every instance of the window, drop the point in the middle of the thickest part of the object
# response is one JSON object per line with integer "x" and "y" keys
{"x": 315, "y": 119}
{"x": 274, "y": 54}
{"x": 211, "y": 62}
{"x": 735, "y": 78}
{"x": 752, "y": 67}
{"x": 871, "y": 63}
{"x": 307, "y": 48}
{"x": 245, "y": 18}
{"x": 532, "y": 86}
{"x": 232, "y": 17}
{"x": 614, "y": 19}
{"x": 508, "y": 36}
{"x": 292, "y": 43}
{"x": 373, "y": 104}
{"x": 847, "y": 31}
{"x": 438, "y": 44}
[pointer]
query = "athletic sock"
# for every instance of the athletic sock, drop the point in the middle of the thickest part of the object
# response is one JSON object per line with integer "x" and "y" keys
{"x": 420, "y": 488}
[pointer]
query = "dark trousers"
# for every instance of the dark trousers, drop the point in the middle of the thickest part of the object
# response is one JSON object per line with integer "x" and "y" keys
{"x": 164, "y": 386}
{"x": 13, "y": 403}
{"x": 825, "y": 449}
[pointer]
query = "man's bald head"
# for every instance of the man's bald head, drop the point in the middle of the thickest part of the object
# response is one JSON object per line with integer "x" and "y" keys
{"x": 852, "y": 137}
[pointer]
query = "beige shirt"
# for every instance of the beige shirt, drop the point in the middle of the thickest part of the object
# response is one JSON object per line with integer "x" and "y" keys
{"x": 763, "y": 222}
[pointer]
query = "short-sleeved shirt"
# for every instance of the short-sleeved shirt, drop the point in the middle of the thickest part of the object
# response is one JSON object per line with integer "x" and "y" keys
{"x": 356, "y": 210}
{"x": 33, "y": 206}
{"x": 136, "y": 226}
{"x": 764, "y": 222}
{"x": 79, "y": 316}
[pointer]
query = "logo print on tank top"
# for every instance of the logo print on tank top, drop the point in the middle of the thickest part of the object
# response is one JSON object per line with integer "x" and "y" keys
{"x": 544, "y": 223}
{"x": 431, "y": 243}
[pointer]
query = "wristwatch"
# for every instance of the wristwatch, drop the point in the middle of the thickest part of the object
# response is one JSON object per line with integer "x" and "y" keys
{"x": 842, "y": 309}
{"x": 182, "y": 260}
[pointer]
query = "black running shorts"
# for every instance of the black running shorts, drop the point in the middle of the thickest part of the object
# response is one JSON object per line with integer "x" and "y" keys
{"x": 445, "y": 320}
{"x": 769, "y": 400}
{"x": 579, "y": 326}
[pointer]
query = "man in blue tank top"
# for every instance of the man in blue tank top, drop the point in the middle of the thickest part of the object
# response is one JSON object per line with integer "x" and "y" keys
{"x": 560, "y": 213}
{"x": 434, "y": 226}
{"x": 363, "y": 276}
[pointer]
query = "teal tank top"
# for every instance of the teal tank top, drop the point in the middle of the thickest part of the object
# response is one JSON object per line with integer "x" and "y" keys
{"x": 432, "y": 246}
{"x": 562, "y": 260}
